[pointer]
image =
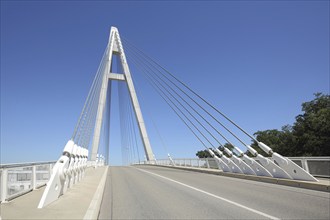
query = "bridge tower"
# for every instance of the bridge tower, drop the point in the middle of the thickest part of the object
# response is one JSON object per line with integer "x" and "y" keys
{"x": 115, "y": 47}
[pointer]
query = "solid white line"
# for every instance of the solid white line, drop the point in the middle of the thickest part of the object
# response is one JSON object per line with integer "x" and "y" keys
{"x": 212, "y": 195}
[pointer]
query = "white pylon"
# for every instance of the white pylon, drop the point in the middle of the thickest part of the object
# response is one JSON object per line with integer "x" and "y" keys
{"x": 116, "y": 47}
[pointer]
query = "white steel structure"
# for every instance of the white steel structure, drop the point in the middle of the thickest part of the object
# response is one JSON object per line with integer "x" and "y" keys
{"x": 69, "y": 169}
{"x": 116, "y": 47}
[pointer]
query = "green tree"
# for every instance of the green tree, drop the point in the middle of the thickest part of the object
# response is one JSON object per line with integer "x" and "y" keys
{"x": 203, "y": 154}
{"x": 309, "y": 136}
{"x": 229, "y": 146}
{"x": 312, "y": 128}
{"x": 280, "y": 141}
{"x": 206, "y": 154}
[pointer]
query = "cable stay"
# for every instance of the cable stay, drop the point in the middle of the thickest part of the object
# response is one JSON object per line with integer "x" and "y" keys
{"x": 187, "y": 87}
{"x": 167, "y": 82}
{"x": 247, "y": 169}
{"x": 161, "y": 89}
{"x": 134, "y": 134}
{"x": 199, "y": 105}
{"x": 149, "y": 115}
{"x": 130, "y": 151}
{"x": 70, "y": 168}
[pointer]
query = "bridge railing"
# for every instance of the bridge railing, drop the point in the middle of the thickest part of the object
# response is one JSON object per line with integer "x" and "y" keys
{"x": 190, "y": 162}
{"x": 317, "y": 166}
{"x": 20, "y": 178}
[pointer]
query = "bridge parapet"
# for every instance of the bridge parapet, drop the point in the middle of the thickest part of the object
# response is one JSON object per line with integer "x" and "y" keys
{"x": 17, "y": 179}
{"x": 20, "y": 178}
{"x": 317, "y": 166}
{"x": 81, "y": 202}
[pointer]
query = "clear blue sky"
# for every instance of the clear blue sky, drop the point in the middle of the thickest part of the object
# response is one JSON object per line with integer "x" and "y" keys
{"x": 255, "y": 60}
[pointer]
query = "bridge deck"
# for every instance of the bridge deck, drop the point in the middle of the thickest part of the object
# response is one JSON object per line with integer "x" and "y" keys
{"x": 72, "y": 205}
{"x": 150, "y": 192}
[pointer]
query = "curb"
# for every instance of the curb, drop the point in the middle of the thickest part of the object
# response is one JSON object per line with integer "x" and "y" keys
{"x": 95, "y": 205}
{"x": 284, "y": 182}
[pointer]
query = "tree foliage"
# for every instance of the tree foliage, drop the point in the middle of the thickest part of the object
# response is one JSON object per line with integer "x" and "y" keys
{"x": 312, "y": 128}
{"x": 206, "y": 154}
{"x": 203, "y": 154}
{"x": 308, "y": 136}
{"x": 229, "y": 146}
{"x": 280, "y": 141}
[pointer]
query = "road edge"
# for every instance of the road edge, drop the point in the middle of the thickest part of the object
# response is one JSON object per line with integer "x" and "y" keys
{"x": 284, "y": 182}
{"x": 95, "y": 205}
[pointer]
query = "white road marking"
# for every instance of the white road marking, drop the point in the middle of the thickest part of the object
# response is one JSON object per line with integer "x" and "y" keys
{"x": 212, "y": 195}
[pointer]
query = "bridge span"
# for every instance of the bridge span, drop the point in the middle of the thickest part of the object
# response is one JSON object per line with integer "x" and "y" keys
{"x": 158, "y": 192}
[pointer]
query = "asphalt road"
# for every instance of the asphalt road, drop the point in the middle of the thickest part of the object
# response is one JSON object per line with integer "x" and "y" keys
{"x": 146, "y": 192}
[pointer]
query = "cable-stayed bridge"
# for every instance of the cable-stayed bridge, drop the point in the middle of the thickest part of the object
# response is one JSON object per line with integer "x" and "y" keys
{"x": 152, "y": 191}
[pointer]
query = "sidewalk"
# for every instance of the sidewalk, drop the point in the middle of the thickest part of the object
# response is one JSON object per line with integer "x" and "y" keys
{"x": 81, "y": 201}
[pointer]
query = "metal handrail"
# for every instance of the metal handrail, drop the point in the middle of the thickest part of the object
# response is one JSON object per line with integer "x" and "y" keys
{"x": 32, "y": 182}
{"x": 310, "y": 158}
{"x": 320, "y": 170}
{"x": 28, "y": 164}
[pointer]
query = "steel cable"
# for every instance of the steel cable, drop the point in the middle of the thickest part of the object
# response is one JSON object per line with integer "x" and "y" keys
{"x": 193, "y": 92}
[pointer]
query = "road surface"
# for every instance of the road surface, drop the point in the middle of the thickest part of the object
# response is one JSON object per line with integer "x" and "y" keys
{"x": 150, "y": 192}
